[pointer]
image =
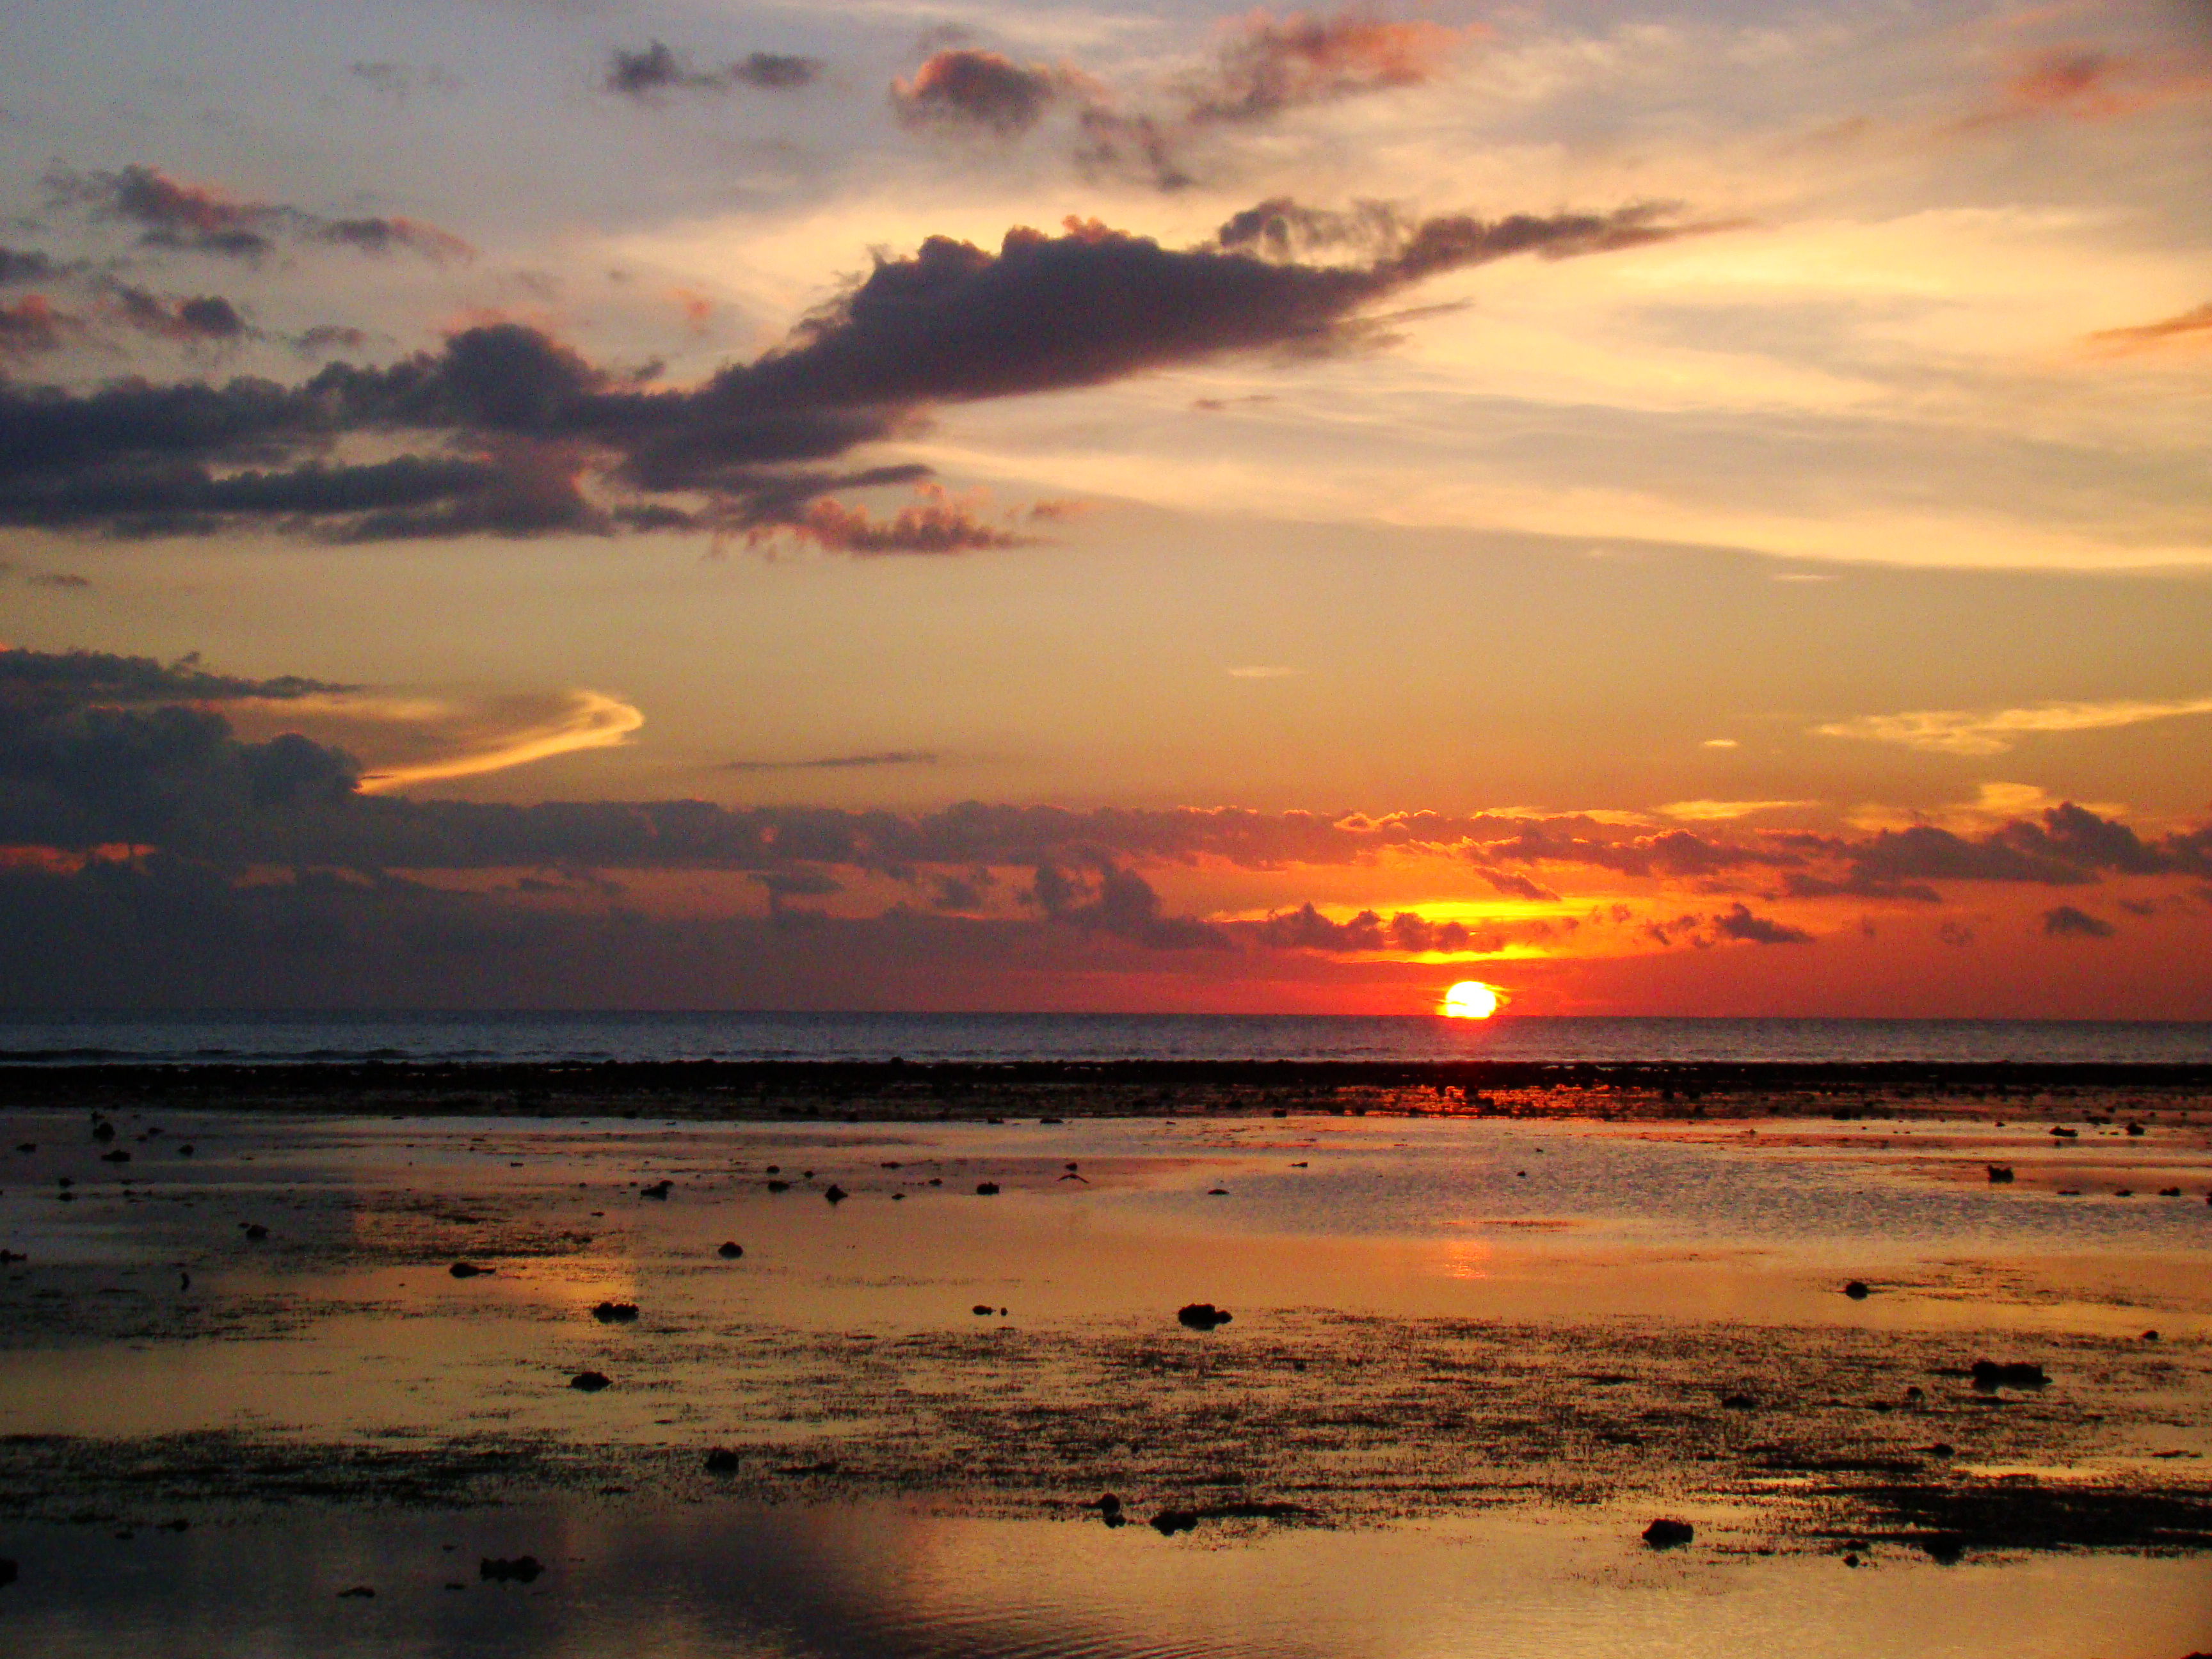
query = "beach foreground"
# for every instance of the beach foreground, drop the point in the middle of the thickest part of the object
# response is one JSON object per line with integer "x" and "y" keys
{"x": 1479, "y": 1340}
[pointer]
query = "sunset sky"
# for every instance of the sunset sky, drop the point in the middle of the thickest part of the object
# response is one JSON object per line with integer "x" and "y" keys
{"x": 1669, "y": 508}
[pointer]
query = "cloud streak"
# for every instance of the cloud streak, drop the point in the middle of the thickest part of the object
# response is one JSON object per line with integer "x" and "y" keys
{"x": 174, "y": 214}
{"x": 1974, "y": 733}
{"x": 584, "y": 720}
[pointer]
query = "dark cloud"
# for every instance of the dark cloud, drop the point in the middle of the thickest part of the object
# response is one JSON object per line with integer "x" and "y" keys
{"x": 1263, "y": 67}
{"x": 32, "y": 325}
{"x": 376, "y": 234}
{"x": 2193, "y": 324}
{"x": 1407, "y": 932}
{"x": 326, "y": 338}
{"x": 646, "y": 74}
{"x": 549, "y": 441}
{"x": 2064, "y": 922}
{"x": 204, "y": 219}
{"x": 980, "y": 91}
{"x": 1269, "y": 64}
{"x": 18, "y": 265}
{"x": 838, "y": 762}
{"x": 58, "y": 579}
{"x": 209, "y": 320}
{"x": 1117, "y": 902}
{"x": 1739, "y": 923}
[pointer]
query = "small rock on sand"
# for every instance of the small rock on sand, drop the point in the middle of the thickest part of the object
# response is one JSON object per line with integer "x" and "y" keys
{"x": 1201, "y": 1315}
{"x": 1168, "y": 1522}
{"x": 730, "y": 1251}
{"x": 658, "y": 1189}
{"x": 1989, "y": 1374}
{"x": 1664, "y": 1534}
{"x": 358, "y": 1593}
{"x": 1857, "y": 1291}
{"x": 721, "y": 1460}
{"x": 616, "y": 1313}
{"x": 986, "y": 1190}
{"x": 467, "y": 1270}
{"x": 835, "y": 1194}
{"x": 8, "y": 1571}
{"x": 2000, "y": 1174}
{"x": 590, "y": 1382}
{"x": 498, "y": 1570}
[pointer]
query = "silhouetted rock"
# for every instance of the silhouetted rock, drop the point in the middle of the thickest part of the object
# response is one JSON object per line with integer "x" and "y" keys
{"x": 1857, "y": 1291}
{"x": 1738, "y": 1402}
{"x": 1168, "y": 1522}
{"x": 1107, "y": 1504}
{"x": 730, "y": 1251}
{"x": 9, "y": 1571}
{"x": 2135, "y": 1129}
{"x": 254, "y": 1231}
{"x": 2150, "y": 1336}
{"x": 986, "y": 1190}
{"x": 779, "y": 1186}
{"x": 835, "y": 1194}
{"x": 1201, "y": 1315}
{"x": 2000, "y": 1174}
{"x": 616, "y": 1313}
{"x": 658, "y": 1189}
{"x": 27, "y": 1145}
{"x": 721, "y": 1460}
{"x": 103, "y": 1133}
{"x": 497, "y": 1569}
{"x": 981, "y": 1310}
{"x": 6, "y": 1256}
{"x": 2008, "y": 1374}
{"x": 590, "y": 1382}
{"x": 119, "y": 1156}
{"x": 358, "y": 1593}
{"x": 1217, "y": 1192}
{"x": 1664, "y": 1534}
{"x": 1944, "y": 1549}
{"x": 185, "y": 1150}
{"x": 467, "y": 1270}
{"x": 2066, "y": 1134}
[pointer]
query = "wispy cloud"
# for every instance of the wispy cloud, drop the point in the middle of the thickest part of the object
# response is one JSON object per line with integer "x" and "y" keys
{"x": 1719, "y": 812}
{"x": 580, "y": 719}
{"x": 1976, "y": 731}
{"x": 838, "y": 762}
{"x": 1263, "y": 671}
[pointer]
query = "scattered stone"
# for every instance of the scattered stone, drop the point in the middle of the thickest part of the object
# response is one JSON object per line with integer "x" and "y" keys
{"x": 6, "y": 1256}
{"x": 730, "y": 1251}
{"x": 27, "y": 1145}
{"x": 981, "y": 1310}
{"x": 590, "y": 1382}
{"x": 119, "y": 1156}
{"x": 1944, "y": 1549}
{"x": 467, "y": 1270}
{"x": 660, "y": 1189}
{"x": 721, "y": 1460}
{"x": 358, "y": 1593}
{"x": 103, "y": 1133}
{"x": 2000, "y": 1174}
{"x": 616, "y": 1313}
{"x": 1738, "y": 1402}
{"x": 1217, "y": 1192}
{"x": 185, "y": 1150}
{"x": 835, "y": 1194}
{"x": 2169, "y": 1192}
{"x": 774, "y": 1169}
{"x": 1857, "y": 1289}
{"x": 253, "y": 1231}
{"x": 497, "y": 1569}
{"x": 2136, "y": 1130}
{"x": 1664, "y": 1534}
{"x": 2066, "y": 1134}
{"x": 2150, "y": 1336}
{"x": 1942, "y": 1449}
{"x": 1991, "y": 1374}
{"x": 779, "y": 1186}
{"x": 986, "y": 1190}
{"x": 1168, "y": 1522}
{"x": 1202, "y": 1315}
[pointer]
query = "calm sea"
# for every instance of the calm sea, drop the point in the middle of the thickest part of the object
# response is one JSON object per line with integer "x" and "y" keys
{"x": 78, "y": 1038}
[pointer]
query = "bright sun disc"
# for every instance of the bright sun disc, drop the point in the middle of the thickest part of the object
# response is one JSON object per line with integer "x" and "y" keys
{"x": 1470, "y": 999}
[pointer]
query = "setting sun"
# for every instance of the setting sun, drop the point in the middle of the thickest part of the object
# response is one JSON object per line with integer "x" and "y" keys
{"x": 1470, "y": 999}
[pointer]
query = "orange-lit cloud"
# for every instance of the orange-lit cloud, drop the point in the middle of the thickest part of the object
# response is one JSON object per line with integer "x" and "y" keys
{"x": 1992, "y": 732}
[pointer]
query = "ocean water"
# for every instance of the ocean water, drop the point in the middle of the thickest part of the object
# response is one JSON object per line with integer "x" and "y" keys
{"x": 248, "y": 1036}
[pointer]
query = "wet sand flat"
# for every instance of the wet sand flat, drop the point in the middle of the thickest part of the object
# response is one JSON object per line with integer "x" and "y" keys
{"x": 1556, "y": 1327}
